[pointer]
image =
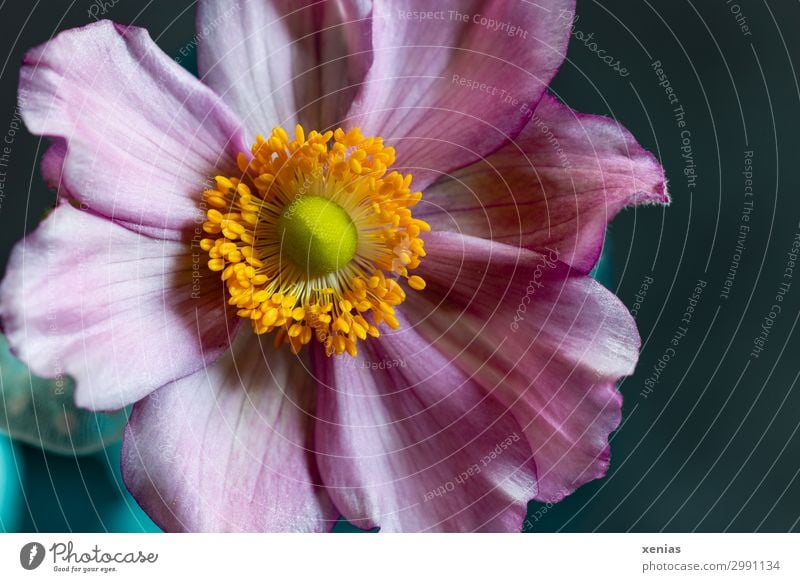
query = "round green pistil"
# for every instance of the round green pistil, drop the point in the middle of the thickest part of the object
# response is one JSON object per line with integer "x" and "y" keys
{"x": 317, "y": 235}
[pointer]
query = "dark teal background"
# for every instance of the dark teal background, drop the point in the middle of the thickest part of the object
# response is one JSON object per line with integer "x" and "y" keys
{"x": 714, "y": 447}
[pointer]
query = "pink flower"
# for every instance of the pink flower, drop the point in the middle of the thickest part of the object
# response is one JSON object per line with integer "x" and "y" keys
{"x": 434, "y": 388}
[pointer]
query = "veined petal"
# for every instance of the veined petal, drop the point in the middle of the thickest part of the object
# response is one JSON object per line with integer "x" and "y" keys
{"x": 137, "y": 137}
{"x": 120, "y": 312}
{"x": 557, "y": 186}
{"x": 545, "y": 340}
{"x": 227, "y": 449}
{"x": 451, "y": 83}
{"x": 279, "y": 62}
{"x": 405, "y": 441}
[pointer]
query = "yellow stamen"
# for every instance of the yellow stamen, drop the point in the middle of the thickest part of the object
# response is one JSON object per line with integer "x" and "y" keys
{"x": 311, "y": 193}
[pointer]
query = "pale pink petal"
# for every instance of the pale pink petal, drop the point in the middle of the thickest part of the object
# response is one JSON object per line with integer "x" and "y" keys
{"x": 137, "y": 137}
{"x": 453, "y": 81}
{"x": 227, "y": 449}
{"x": 407, "y": 442}
{"x": 557, "y": 185}
{"x": 279, "y": 62}
{"x": 120, "y": 312}
{"x": 545, "y": 340}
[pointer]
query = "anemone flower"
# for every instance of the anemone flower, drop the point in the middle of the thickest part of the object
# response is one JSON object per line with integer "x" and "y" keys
{"x": 306, "y": 330}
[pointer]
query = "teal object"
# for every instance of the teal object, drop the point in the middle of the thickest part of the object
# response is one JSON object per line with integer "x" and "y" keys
{"x": 67, "y": 478}
{"x": 77, "y": 494}
{"x": 41, "y": 412}
{"x": 10, "y": 488}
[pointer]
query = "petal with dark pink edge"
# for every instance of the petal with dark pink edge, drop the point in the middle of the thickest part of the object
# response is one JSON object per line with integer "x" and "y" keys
{"x": 547, "y": 341}
{"x": 451, "y": 83}
{"x": 53, "y": 166}
{"x": 120, "y": 312}
{"x": 557, "y": 185}
{"x": 407, "y": 442}
{"x": 227, "y": 449}
{"x": 137, "y": 137}
{"x": 278, "y": 62}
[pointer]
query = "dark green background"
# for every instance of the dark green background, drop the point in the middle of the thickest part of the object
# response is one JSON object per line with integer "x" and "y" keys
{"x": 715, "y": 446}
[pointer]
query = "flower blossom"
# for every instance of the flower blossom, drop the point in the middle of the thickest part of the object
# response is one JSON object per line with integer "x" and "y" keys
{"x": 344, "y": 272}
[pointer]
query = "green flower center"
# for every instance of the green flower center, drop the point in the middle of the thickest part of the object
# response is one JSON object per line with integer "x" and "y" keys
{"x": 317, "y": 235}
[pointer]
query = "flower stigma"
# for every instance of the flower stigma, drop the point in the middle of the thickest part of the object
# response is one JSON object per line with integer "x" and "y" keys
{"x": 314, "y": 235}
{"x": 318, "y": 235}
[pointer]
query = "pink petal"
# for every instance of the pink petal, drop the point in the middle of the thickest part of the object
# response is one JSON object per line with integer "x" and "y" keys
{"x": 227, "y": 448}
{"x": 279, "y": 62}
{"x": 407, "y": 442}
{"x": 557, "y": 185}
{"x": 446, "y": 91}
{"x": 545, "y": 340}
{"x": 53, "y": 166}
{"x": 137, "y": 137}
{"x": 120, "y": 312}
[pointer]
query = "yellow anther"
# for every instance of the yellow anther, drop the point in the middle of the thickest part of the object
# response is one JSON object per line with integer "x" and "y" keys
{"x": 416, "y": 282}
{"x": 266, "y": 286}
